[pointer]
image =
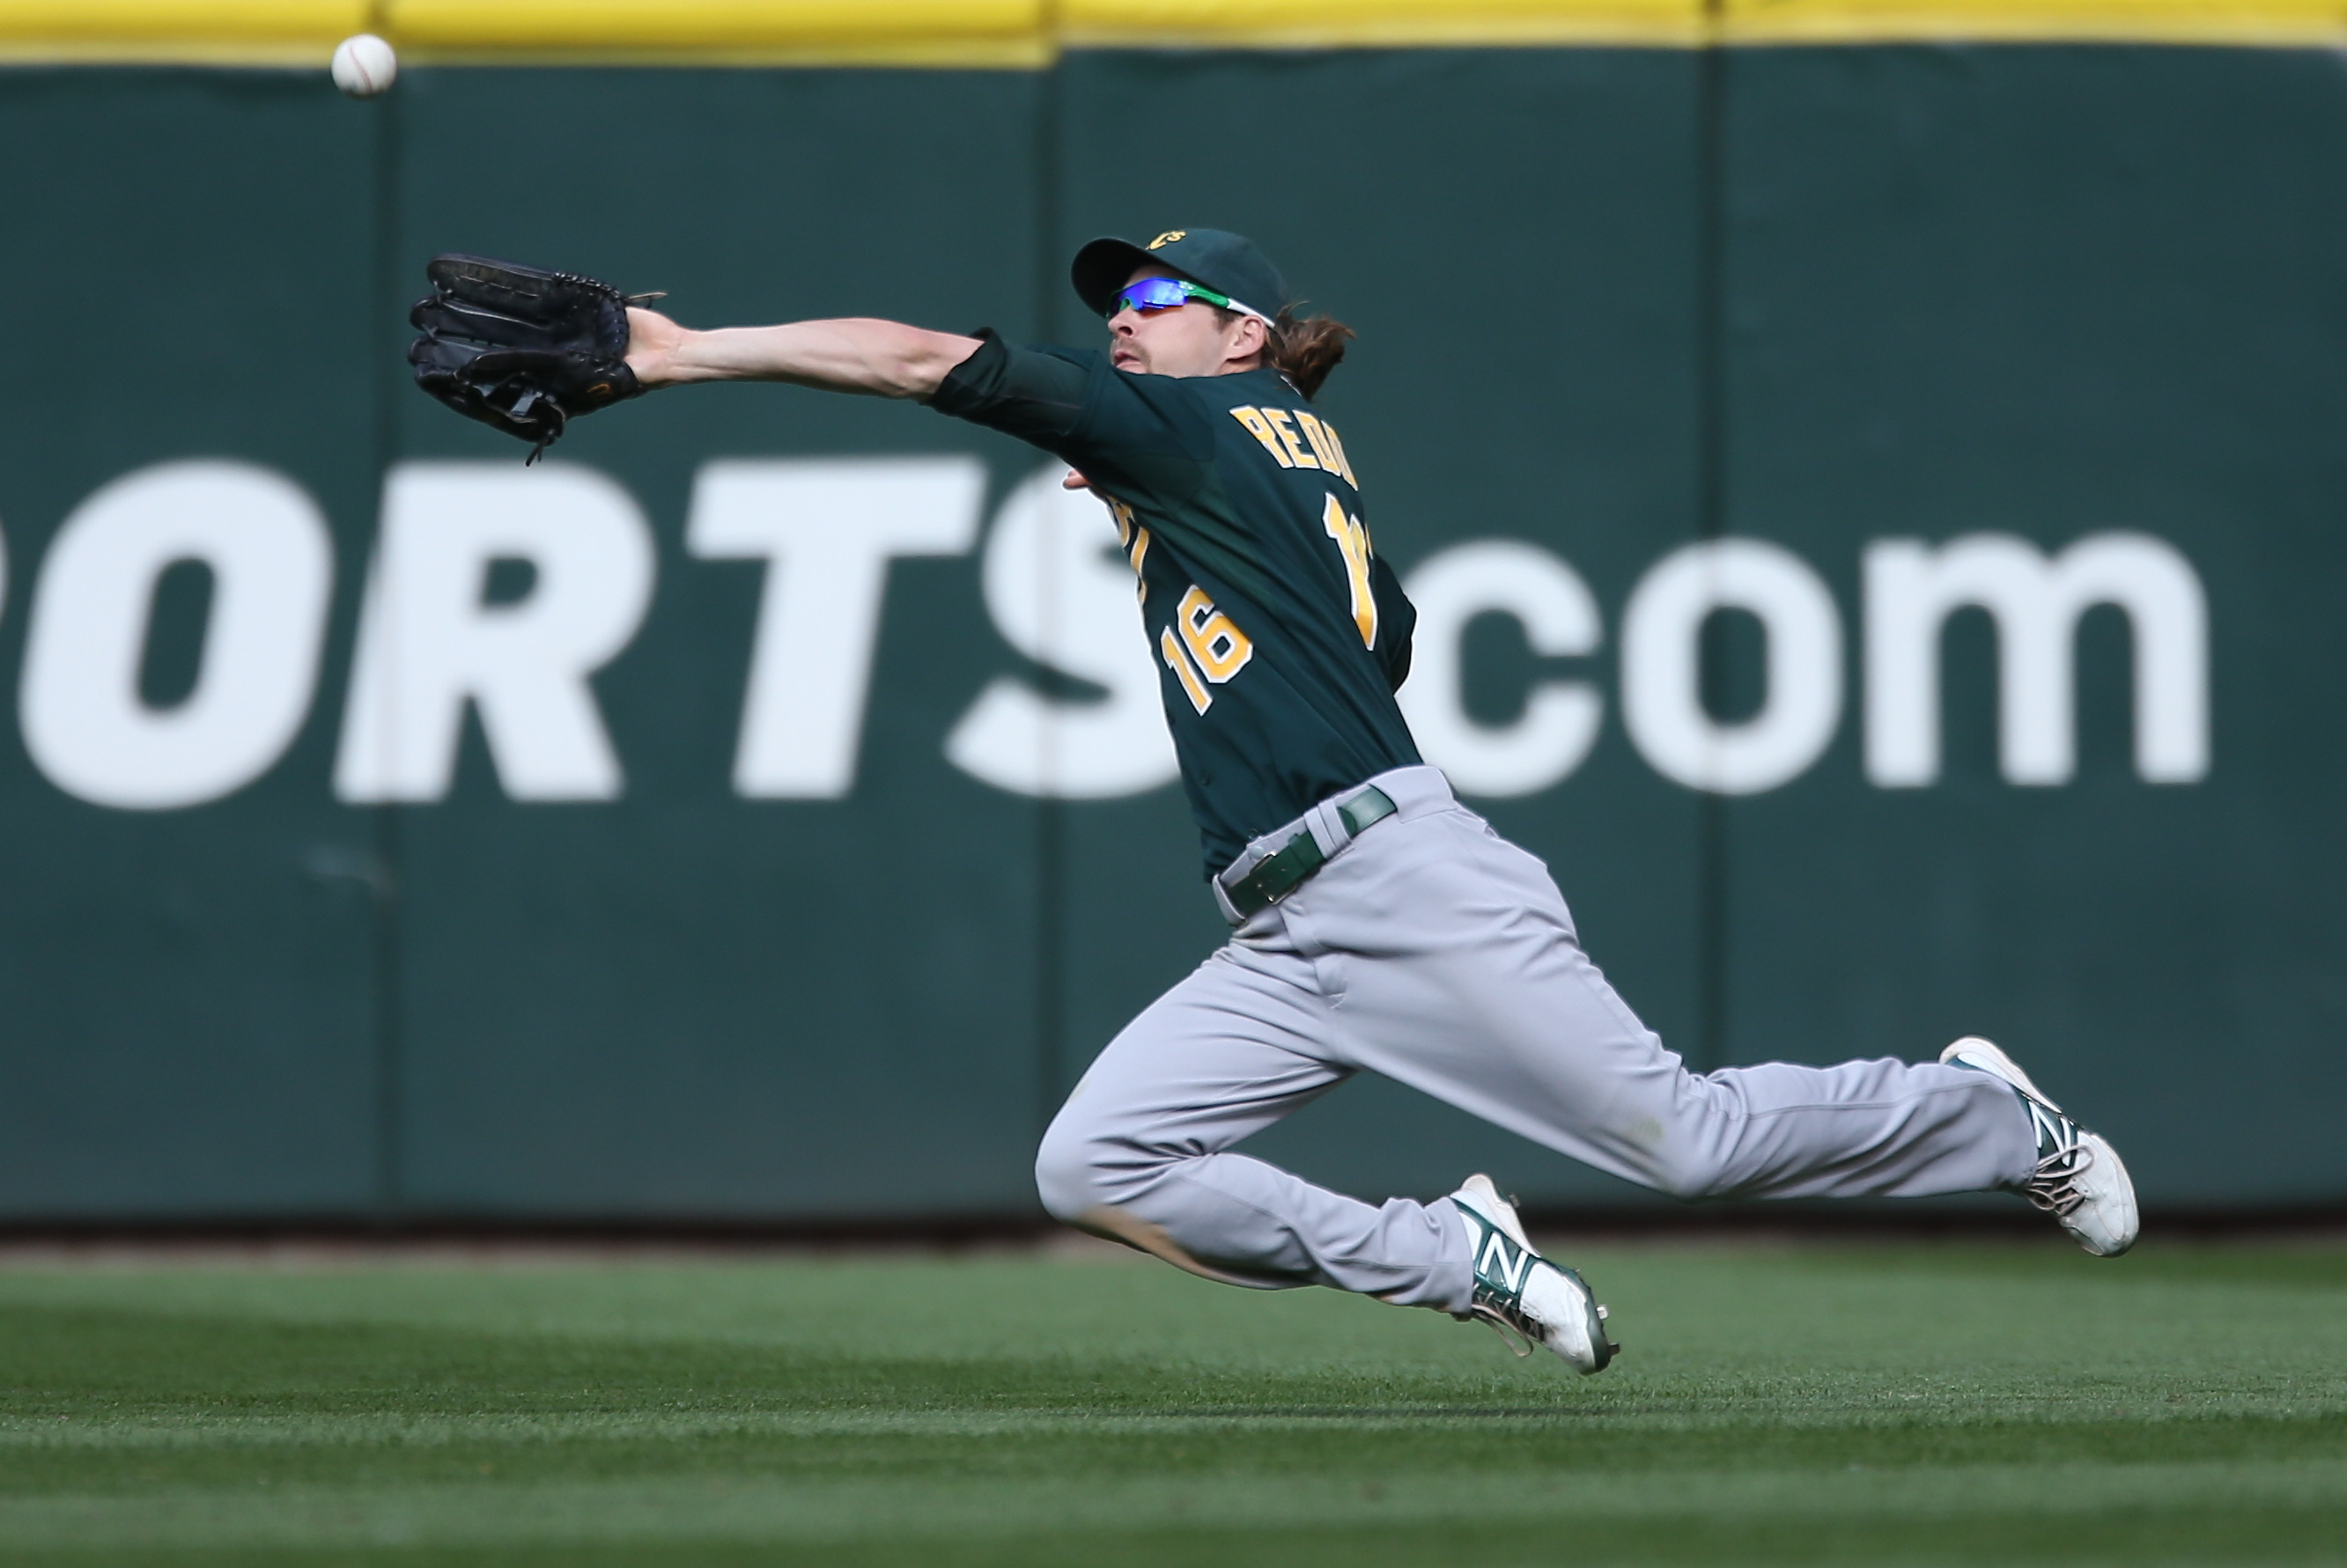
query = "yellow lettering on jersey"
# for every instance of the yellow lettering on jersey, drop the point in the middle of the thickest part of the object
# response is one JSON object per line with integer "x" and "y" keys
{"x": 1260, "y": 428}
{"x": 1353, "y": 541}
{"x": 1279, "y": 418}
{"x": 1322, "y": 447}
{"x": 1343, "y": 464}
{"x": 1179, "y": 663}
{"x": 1140, "y": 553}
{"x": 1135, "y": 540}
{"x": 1221, "y": 649}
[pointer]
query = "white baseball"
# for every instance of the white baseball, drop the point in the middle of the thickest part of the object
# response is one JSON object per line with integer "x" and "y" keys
{"x": 365, "y": 66}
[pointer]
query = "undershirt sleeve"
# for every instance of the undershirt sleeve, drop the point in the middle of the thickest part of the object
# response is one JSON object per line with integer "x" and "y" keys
{"x": 1036, "y": 397}
{"x": 1129, "y": 434}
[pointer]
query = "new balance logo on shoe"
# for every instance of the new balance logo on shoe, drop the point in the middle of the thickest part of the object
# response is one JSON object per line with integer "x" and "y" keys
{"x": 1504, "y": 1266}
{"x": 2055, "y": 1132}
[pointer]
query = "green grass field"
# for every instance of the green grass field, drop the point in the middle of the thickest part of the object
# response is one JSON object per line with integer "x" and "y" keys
{"x": 1941, "y": 1404}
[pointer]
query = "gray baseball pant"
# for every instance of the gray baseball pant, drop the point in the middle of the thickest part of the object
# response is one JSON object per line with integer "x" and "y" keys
{"x": 1433, "y": 951}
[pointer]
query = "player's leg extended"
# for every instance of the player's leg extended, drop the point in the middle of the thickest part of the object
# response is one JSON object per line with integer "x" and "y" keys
{"x": 1478, "y": 994}
{"x": 1138, "y": 1153}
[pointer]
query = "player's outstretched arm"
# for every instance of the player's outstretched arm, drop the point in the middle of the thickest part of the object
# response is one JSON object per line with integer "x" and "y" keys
{"x": 856, "y": 354}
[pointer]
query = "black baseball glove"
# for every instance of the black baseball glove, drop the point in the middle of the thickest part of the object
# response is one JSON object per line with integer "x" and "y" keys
{"x": 520, "y": 349}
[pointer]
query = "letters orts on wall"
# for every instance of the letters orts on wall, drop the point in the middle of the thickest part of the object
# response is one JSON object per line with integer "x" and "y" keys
{"x": 430, "y": 644}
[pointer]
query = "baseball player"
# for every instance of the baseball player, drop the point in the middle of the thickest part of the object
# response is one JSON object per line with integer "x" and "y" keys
{"x": 1376, "y": 923}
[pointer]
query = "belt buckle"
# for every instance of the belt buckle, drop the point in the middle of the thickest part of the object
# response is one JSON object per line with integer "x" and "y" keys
{"x": 1377, "y": 806}
{"x": 1272, "y": 900}
{"x": 1252, "y": 887}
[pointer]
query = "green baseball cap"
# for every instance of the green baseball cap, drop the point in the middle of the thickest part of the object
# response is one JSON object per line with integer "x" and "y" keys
{"x": 1225, "y": 263}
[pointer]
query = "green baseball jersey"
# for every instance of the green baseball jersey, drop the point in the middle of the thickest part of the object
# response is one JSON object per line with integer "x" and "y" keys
{"x": 1280, "y": 636}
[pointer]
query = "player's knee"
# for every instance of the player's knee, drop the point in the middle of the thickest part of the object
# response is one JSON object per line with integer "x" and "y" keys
{"x": 1083, "y": 1165}
{"x": 1068, "y": 1172}
{"x": 1690, "y": 1183}
{"x": 1684, "y": 1175}
{"x": 1691, "y": 1151}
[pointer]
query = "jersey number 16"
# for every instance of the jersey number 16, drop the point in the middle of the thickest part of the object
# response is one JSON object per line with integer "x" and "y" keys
{"x": 1210, "y": 644}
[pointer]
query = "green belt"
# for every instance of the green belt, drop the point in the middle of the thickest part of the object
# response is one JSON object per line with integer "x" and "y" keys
{"x": 1284, "y": 871}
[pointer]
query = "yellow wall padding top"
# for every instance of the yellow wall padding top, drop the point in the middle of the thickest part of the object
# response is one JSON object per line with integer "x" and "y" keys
{"x": 259, "y": 32}
{"x": 2283, "y": 23}
{"x": 1028, "y": 33}
{"x": 977, "y": 31}
{"x": 1341, "y": 23}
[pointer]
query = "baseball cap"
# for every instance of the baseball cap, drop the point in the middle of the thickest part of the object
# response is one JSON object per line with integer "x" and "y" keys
{"x": 1225, "y": 263}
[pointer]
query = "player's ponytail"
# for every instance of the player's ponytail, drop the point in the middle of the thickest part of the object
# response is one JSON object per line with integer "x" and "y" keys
{"x": 1305, "y": 349}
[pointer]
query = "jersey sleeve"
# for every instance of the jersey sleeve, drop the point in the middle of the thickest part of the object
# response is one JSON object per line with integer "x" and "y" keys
{"x": 1397, "y": 619}
{"x": 1035, "y": 396}
{"x": 1129, "y": 436}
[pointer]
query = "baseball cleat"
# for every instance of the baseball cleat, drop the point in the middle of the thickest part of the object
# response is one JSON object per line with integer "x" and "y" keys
{"x": 2079, "y": 1178}
{"x": 1519, "y": 1292}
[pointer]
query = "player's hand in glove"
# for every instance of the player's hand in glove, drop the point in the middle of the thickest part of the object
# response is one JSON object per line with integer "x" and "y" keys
{"x": 522, "y": 349}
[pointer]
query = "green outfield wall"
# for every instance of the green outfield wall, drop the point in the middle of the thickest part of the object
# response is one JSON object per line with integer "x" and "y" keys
{"x": 1876, "y": 511}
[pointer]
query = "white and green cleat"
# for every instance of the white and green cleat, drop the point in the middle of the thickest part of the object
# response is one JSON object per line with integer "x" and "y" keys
{"x": 1519, "y": 1292}
{"x": 2079, "y": 1179}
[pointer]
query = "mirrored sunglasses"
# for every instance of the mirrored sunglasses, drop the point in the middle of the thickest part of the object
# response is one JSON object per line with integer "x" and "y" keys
{"x": 1153, "y": 294}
